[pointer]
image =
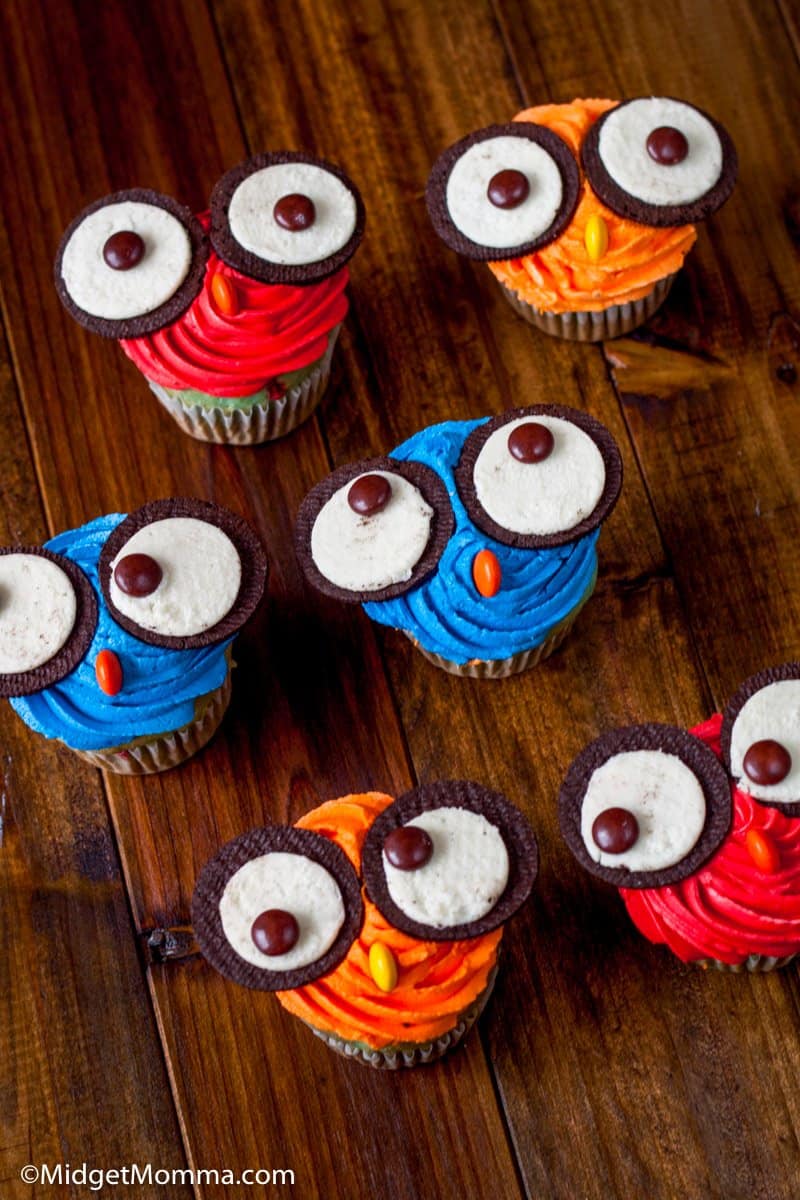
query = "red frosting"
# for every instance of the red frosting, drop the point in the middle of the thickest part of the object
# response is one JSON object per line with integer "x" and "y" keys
{"x": 729, "y": 909}
{"x": 276, "y": 329}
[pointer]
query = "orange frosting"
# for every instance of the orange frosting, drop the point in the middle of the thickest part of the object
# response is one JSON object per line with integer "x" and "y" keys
{"x": 436, "y": 980}
{"x": 561, "y": 277}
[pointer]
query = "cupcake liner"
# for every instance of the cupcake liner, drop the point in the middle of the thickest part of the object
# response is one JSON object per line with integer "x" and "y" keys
{"x": 410, "y": 1055}
{"x": 593, "y": 326}
{"x": 145, "y": 756}
{"x": 501, "y": 668}
{"x": 263, "y": 422}
{"x": 755, "y": 963}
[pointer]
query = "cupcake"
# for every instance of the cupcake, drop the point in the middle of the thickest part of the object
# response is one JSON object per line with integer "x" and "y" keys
{"x": 231, "y": 316}
{"x": 377, "y": 922}
{"x": 701, "y": 831}
{"x": 477, "y": 539}
{"x": 584, "y": 212}
{"x": 115, "y": 638}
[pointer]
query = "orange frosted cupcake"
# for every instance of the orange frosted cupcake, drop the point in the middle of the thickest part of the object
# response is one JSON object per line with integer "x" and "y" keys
{"x": 376, "y": 921}
{"x": 584, "y": 212}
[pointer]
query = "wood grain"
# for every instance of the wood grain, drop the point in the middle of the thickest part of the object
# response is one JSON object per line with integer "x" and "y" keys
{"x": 605, "y": 1069}
{"x": 82, "y": 1075}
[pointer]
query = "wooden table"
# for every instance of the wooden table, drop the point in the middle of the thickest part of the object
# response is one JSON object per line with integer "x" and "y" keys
{"x": 604, "y": 1068}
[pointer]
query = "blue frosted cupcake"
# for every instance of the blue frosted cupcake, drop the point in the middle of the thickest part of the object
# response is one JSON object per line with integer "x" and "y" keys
{"x": 115, "y": 637}
{"x": 477, "y": 539}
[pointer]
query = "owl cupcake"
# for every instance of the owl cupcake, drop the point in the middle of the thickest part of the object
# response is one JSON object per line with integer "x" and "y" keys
{"x": 584, "y": 212}
{"x": 377, "y": 922}
{"x": 701, "y": 831}
{"x": 231, "y": 316}
{"x": 115, "y": 638}
{"x": 477, "y": 539}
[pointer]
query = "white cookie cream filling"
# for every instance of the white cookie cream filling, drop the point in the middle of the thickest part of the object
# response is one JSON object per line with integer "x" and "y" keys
{"x": 464, "y": 877}
{"x": 364, "y": 554}
{"x": 252, "y": 223}
{"x": 202, "y": 573}
{"x": 622, "y": 147}
{"x": 37, "y": 611}
{"x": 116, "y": 295}
{"x": 663, "y": 794}
{"x": 473, "y": 213}
{"x": 772, "y": 713}
{"x": 295, "y": 884}
{"x": 551, "y": 496}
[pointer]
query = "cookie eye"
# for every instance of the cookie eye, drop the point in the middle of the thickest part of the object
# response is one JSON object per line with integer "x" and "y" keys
{"x": 539, "y": 476}
{"x": 286, "y": 218}
{"x": 761, "y": 737}
{"x": 645, "y": 806}
{"x": 131, "y": 263}
{"x": 660, "y": 161}
{"x": 374, "y": 529}
{"x": 182, "y": 573}
{"x": 48, "y": 615}
{"x": 450, "y": 860}
{"x": 503, "y": 192}
{"x": 277, "y": 908}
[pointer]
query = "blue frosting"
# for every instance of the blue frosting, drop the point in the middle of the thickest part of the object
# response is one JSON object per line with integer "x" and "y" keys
{"x": 446, "y": 613}
{"x": 159, "y": 686}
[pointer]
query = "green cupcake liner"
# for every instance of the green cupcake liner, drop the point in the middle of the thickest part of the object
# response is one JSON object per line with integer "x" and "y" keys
{"x": 261, "y": 422}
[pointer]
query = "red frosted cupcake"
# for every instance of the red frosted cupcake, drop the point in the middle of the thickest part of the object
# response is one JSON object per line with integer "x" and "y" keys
{"x": 701, "y": 831}
{"x": 232, "y": 316}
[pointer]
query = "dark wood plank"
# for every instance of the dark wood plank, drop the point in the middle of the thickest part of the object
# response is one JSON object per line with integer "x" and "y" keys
{"x": 298, "y": 731}
{"x": 82, "y": 1075}
{"x": 622, "y": 1072}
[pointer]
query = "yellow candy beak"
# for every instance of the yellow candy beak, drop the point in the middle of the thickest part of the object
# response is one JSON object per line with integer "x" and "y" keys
{"x": 595, "y": 237}
{"x": 382, "y": 967}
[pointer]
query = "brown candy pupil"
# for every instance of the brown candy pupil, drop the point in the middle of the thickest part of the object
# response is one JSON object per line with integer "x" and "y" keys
{"x": 667, "y": 146}
{"x": 275, "y": 931}
{"x": 123, "y": 250}
{"x": 137, "y": 575}
{"x": 408, "y": 847}
{"x": 294, "y": 212}
{"x": 531, "y": 442}
{"x": 369, "y": 494}
{"x": 615, "y": 830}
{"x": 767, "y": 762}
{"x": 507, "y": 189}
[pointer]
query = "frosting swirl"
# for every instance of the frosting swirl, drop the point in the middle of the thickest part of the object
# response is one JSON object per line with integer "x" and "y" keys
{"x": 561, "y": 277}
{"x": 436, "y": 980}
{"x": 729, "y": 909}
{"x": 446, "y": 614}
{"x": 277, "y": 330}
{"x": 160, "y": 686}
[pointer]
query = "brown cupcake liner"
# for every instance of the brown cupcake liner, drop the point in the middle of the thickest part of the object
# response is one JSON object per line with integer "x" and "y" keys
{"x": 756, "y": 964}
{"x": 501, "y": 668}
{"x": 264, "y": 422}
{"x": 145, "y": 756}
{"x": 410, "y": 1055}
{"x": 593, "y": 326}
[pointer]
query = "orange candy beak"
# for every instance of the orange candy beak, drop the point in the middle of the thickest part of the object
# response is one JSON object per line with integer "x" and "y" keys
{"x": 763, "y": 851}
{"x": 224, "y": 293}
{"x": 486, "y": 573}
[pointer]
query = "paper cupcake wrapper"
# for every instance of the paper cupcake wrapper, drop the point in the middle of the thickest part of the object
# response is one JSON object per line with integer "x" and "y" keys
{"x": 593, "y": 326}
{"x": 145, "y": 756}
{"x": 755, "y": 963}
{"x": 501, "y": 668}
{"x": 248, "y": 426}
{"x": 407, "y": 1055}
